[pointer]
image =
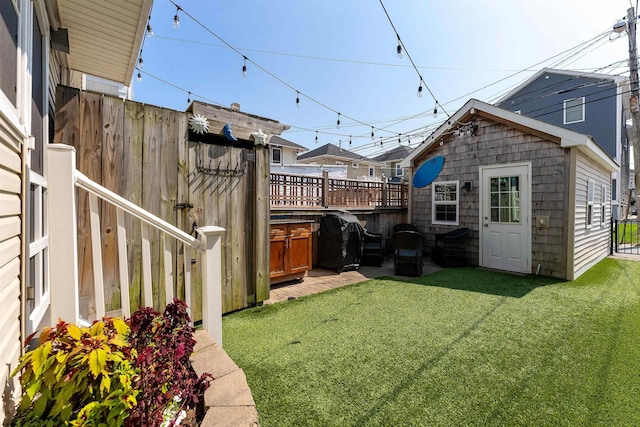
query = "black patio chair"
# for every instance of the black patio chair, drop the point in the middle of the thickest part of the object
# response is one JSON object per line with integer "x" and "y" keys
{"x": 449, "y": 250}
{"x": 407, "y": 250}
{"x": 404, "y": 227}
{"x": 372, "y": 249}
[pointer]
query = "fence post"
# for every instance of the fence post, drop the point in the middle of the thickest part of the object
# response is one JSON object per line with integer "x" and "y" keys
{"x": 325, "y": 189}
{"x": 63, "y": 248}
{"x": 384, "y": 200}
{"x": 212, "y": 281}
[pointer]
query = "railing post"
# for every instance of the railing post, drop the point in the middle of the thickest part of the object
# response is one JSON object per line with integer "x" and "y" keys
{"x": 63, "y": 248}
{"x": 212, "y": 281}
{"x": 325, "y": 188}
{"x": 384, "y": 200}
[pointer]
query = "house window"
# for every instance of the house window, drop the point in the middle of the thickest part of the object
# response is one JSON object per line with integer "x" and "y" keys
{"x": 614, "y": 189}
{"x": 9, "y": 49}
{"x": 590, "y": 200}
{"x": 574, "y": 110}
{"x": 505, "y": 199}
{"x": 276, "y": 155}
{"x": 399, "y": 170}
{"x": 371, "y": 172}
{"x": 603, "y": 203}
{"x": 444, "y": 200}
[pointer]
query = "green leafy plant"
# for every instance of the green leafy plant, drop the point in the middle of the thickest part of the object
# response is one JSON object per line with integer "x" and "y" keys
{"x": 164, "y": 345}
{"x": 78, "y": 376}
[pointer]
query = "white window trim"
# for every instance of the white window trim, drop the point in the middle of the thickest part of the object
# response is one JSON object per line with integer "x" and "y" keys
{"x": 399, "y": 170}
{"x": 564, "y": 111}
{"x": 274, "y": 149}
{"x": 434, "y": 203}
{"x": 603, "y": 204}
{"x": 590, "y": 202}
{"x": 372, "y": 171}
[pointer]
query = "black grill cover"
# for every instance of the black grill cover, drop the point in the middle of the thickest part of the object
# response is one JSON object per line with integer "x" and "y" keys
{"x": 340, "y": 240}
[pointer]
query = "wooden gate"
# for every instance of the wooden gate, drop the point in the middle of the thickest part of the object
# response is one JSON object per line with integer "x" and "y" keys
{"x": 144, "y": 154}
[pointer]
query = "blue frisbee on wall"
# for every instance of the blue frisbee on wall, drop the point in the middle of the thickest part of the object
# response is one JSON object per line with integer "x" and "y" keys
{"x": 428, "y": 171}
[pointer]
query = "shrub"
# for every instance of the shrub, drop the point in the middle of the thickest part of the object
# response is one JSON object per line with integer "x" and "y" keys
{"x": 164, "y": 345}
{"x": 78, "y": 376}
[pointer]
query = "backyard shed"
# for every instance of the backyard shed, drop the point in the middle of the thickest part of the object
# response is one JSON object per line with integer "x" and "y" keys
{"x": 535, "y": 196}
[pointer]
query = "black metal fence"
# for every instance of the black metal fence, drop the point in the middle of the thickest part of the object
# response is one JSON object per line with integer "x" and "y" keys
{"x": 625, "y": 237}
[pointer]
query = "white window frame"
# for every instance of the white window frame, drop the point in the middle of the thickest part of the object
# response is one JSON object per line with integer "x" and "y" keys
{"x": 603, "y": 204}
{"x": 273, "y": 151}
{"x": 372, "y": 171}
{"x": 399, "y": 170}
{"x": 435, "y": 203}
{"x": 591, "y": 188}
{"x": 564, "y": 110}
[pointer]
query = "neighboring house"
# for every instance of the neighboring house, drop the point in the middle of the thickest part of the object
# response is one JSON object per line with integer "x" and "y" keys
{"x": 592, "y": 104}
{"x": 43, "y": 44}
{"x": 283, "y": 152}
{"x": 358, "y": 167}
{"x": 392, "y": 171}
{"x": 536, "y": 196}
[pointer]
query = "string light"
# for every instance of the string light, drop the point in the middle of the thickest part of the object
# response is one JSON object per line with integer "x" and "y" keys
{"x": 372, "y": 135}
{"x": 420, "y": 89}
{"x": 176, "y": 18}
{"x": 399, "y": 48}
{"x": 435, "y": 111}
{"x": 189, "y": 98}
{"x": 399, "y": 135}
{"x": 140, "y": 61}
{"x": 244, "y": 67}
{"x": 316, "y": 137}
{"x": 149, "y": 30}
{"x": 349, "y": 140}
{"x": 338, "y": 122}
{"x": 139, "y": 76}
{"x": 297, "y": 99}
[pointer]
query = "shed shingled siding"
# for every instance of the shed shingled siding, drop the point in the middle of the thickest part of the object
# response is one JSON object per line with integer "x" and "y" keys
{"x": 10, "y": 228}
{"x": 591, "y": 244}
{"x": 498, "y": 144}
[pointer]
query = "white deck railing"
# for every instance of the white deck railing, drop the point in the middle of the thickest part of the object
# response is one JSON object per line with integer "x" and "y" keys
{"x": 63, "y": 179}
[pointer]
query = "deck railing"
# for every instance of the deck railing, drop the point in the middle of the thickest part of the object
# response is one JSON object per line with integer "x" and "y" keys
{"x": 299, "y": 191}
{"x": 64, "y": 249}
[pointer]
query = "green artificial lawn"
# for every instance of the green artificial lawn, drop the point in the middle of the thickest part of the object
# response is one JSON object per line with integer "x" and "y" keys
{"x": 458, "y": 347}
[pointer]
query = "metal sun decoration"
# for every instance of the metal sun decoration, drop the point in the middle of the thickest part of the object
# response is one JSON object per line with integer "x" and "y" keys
{"x": 199, "y": 124}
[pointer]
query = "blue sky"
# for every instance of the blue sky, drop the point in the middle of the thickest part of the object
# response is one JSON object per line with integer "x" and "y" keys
{"x": 342, "y": 54}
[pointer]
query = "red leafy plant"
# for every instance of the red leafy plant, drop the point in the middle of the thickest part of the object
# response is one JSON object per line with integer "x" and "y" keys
{"x": 164, "y": 345}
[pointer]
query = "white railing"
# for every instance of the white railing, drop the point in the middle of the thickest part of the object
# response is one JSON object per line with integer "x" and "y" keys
{"x": 64, "y": 249}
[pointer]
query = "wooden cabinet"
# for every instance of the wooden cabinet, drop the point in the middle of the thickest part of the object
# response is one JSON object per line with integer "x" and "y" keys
{"x": 290, "y": 251}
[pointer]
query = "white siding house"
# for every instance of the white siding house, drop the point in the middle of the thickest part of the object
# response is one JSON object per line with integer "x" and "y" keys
{"x": 102, "y": 38}
{"x": 536, "y": 197}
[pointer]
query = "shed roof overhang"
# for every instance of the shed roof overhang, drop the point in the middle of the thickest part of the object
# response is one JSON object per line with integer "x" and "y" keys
{"x": 104, "y": 36}
{"x": 562, "y": 136}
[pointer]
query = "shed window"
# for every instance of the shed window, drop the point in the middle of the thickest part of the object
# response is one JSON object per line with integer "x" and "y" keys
{"x": 444, "y": 198}
{"x": 276, "y": 155}
{"x": 574, "y": 110}
{"x": 590, "y": 200}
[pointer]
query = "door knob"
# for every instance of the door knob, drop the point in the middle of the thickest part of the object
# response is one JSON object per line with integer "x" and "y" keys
{"x": 486, "y": 225}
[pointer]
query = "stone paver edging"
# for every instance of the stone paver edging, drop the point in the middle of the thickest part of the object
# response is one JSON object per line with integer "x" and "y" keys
{"x": 228, "y": 401}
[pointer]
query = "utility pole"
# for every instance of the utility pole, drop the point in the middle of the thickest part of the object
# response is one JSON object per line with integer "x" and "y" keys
{"x": 635, "y": 96}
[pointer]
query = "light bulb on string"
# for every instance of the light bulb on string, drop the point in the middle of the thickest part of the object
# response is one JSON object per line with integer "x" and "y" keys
{"x": 435, "y": 111}
{"x": 381, "y": 143}
{"x": 149, "y": 30}
{"x": 399, "y": 135}
{"x": 338, "y": 122}
{"x": 316, "y": 137}
{"x": 420, "y": 89}
{"x": 189, "y": 98}
{"x": 349, "y": 140}
{"x": 139, "y": 76}
{"x": 372, "y": 135}
{"x": 399, "y": 49}
{"x": 297, "y": 99}
{"x": 244, "y": 67}
{"x": 140, "y": 61}
{"x": 176, "y": 18}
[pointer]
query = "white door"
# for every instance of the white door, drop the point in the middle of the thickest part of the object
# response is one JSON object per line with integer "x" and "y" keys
{"x": 505, "y": 226}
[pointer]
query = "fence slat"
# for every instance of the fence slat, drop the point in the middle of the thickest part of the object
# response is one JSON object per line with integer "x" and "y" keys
{"x": 123, "y": 264}
{"x": 146, "y": 267}
{"x": 168, "y": 271}
{"x": 96, "y": 252}
{"x": 186, "y": 258}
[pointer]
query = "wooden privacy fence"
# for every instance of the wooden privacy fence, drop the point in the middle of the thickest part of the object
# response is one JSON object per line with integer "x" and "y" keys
{"x": 144, "y": 154}
{"x": 287, "y": 191}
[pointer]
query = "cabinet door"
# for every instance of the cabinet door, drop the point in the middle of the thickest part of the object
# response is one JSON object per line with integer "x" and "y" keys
{"x": 299, "y": 248}
{"x": 278, "y": 252}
